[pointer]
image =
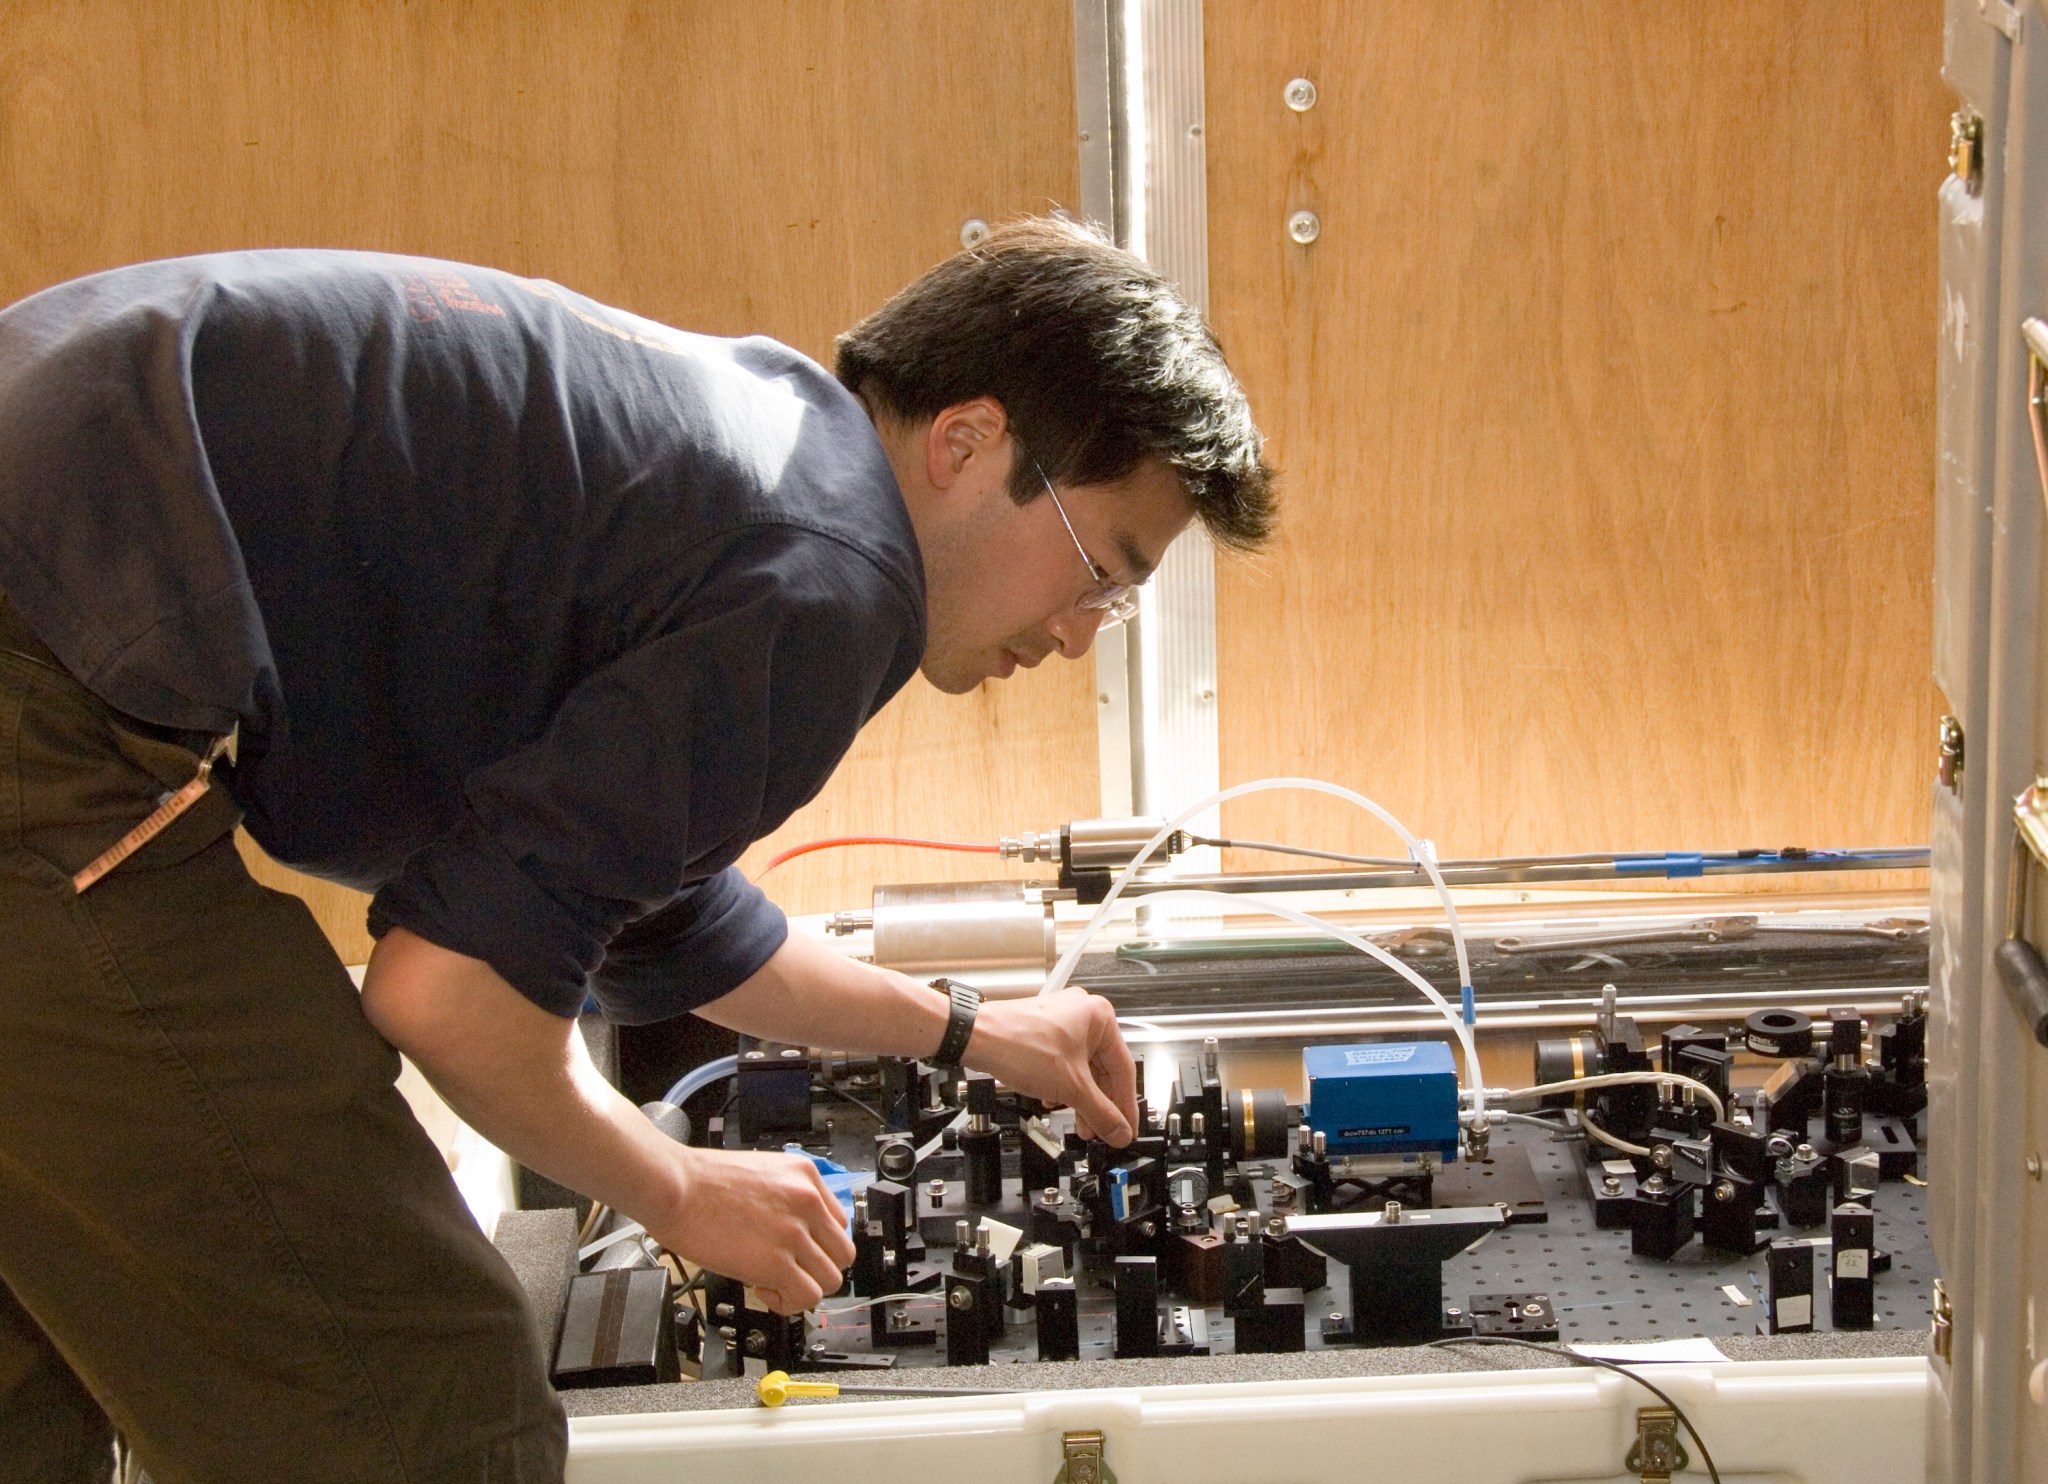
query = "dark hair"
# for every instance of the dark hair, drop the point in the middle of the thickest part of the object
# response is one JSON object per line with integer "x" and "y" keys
{"x": 1097, "y": 360}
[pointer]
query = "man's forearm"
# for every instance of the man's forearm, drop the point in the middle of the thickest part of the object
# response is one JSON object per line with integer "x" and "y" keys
{"x": 1064, "y": 1048}
{"x": 518, "y": 1075}
{"x": 522, "y": 1078}
{"x": 809, "y": 995}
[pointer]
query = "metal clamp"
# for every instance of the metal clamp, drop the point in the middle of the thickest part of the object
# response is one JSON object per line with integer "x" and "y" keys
{"x": 1084, "y": 1463}
{"x": 2035, "y": 333}
{"x": 2020, "y": 967}
{"x": 1657, "y": 1453}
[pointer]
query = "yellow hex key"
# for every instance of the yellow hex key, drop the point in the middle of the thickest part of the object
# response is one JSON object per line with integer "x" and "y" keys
{"x": 775, "y": 1388}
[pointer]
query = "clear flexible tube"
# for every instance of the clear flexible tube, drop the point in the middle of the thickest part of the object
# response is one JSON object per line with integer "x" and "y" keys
{"x": 1624, "y": 1079}
{"x": 696, "y": 1080}
{"x": 1422, "y": 855}
{"x": 1363, "y": 945}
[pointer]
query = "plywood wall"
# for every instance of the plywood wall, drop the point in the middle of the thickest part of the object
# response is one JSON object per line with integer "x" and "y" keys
{"x": 1604, "y": 402}
{"x": 1605, "y": 407}
{"x": 755, "y": 167}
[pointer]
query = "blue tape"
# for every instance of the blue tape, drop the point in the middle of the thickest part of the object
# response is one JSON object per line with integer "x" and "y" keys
{"x": 1674, "y": 864}
{"x": 1468, "y": 1002}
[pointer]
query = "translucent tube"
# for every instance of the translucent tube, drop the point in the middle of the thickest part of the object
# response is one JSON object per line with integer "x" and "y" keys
{"x": 696, "y": 1080}
{"x": 1364, "y": 945}
{"x": 1624, "y": 1079}
{"x": 1423, "y": 856}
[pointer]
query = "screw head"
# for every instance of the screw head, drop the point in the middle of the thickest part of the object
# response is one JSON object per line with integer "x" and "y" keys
{"x": 973, "y": 232}
{"x": 1050, "y": 1195}
{"x": 960, "y": 1297}
{"x": 1300, "y": 95}
{"x": 1304, "y": 227}
{"x": 1725, "y": 1191}
{"x": 2034, "y": 1165}
{"x": 1610, "y": 1184}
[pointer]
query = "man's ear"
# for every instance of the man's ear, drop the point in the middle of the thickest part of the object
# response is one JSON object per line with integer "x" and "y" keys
{"x": 962, "y": 436}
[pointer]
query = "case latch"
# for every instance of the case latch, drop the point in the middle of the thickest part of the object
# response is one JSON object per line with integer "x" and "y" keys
{"x": 1084, "y": 1463}
{"x": 1656, "y": 1455}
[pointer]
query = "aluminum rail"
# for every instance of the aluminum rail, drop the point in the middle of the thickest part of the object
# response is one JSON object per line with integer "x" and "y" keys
{"x": 1456, "y": 875}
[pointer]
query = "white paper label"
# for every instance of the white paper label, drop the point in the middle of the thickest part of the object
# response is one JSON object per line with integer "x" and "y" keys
{"x": 1852, "y": 1262}
{"x": 1795, "y": 1311}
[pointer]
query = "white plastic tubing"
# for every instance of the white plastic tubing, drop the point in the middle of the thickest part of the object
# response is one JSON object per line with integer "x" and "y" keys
{"x": 1418, "y": 850}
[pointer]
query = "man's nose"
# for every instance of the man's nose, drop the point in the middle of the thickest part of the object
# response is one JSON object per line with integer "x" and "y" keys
{"x": 1074, "y": 630}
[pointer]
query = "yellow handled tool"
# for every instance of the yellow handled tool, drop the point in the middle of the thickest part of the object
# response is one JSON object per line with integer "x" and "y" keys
{"x": 775, "y": 1388}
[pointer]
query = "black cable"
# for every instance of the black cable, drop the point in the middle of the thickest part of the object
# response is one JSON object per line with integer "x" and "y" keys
{"x": 1321, "y": 855}
{"x": 866, "y": 1108}
{"x": 1620, "y": 1368}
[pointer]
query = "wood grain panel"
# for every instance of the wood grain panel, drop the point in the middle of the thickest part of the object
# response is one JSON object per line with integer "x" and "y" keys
{"x": 1605, "y": 408}
{"x": 774, "y": 168}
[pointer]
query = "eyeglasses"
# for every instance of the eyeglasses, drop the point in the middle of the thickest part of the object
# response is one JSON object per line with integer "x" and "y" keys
{"x": 1115, "y": 601}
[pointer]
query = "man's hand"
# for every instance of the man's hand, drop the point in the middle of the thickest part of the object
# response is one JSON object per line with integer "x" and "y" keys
{"x": 1062, "y": 1048}
{"x": 765, "y": 1219}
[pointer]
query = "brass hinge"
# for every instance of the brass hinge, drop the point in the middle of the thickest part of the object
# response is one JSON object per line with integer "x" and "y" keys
{"x": 1943, "y": 1340}
{"x": 1966, "y": 149}
{"x": 1656, "y": 1455}
{"x": 1950, "y": 754}
{"x": 1084, "y": 1463}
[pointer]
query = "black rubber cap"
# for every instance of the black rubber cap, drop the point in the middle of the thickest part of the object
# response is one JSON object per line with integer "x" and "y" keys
{"x": 1778, "y": 1033}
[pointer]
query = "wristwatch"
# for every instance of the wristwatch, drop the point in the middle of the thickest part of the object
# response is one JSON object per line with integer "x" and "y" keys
{"x": 966, "y": 1001}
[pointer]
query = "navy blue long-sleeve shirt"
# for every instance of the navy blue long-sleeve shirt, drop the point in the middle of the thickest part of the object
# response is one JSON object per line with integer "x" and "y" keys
{"x": 532, "y": 614}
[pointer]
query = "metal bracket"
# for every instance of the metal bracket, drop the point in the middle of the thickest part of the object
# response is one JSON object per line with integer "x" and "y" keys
{"x": 1657, "y": 1454}
{"x": 2020, "y": 965}
{"x": 1084, "y": 1463}
{"x": 2001, "y": 16}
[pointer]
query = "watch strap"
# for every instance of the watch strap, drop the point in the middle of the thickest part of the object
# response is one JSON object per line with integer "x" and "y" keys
{"x": 964, "y": 1002}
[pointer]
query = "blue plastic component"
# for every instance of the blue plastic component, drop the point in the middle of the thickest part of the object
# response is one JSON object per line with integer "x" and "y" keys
{"x": 1120, "y": 1193}
{"x": 1468, "y": 1004}
{"x": 1390, "y": 1097}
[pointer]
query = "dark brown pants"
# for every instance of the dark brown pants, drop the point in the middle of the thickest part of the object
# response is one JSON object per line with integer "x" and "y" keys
{"x": 220, "y": 1226}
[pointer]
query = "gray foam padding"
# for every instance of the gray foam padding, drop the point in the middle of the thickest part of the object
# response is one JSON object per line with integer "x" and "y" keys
{"x": 540, "y": 1246}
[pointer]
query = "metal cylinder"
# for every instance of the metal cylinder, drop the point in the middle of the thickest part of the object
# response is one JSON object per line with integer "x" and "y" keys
{"x": 962, "y": 926}
{"x": 1566, "y": 1058}
{"x": 1109, "y": 844}
{"x": 1785, "y": 1033}
{"x": 1258, "y": 1120}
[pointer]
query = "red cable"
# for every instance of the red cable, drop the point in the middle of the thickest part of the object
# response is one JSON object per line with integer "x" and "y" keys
{"x": 792, "y": 854}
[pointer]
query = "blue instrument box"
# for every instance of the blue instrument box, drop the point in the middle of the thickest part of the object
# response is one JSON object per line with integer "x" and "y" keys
{"x": 1389, "y": 1097}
